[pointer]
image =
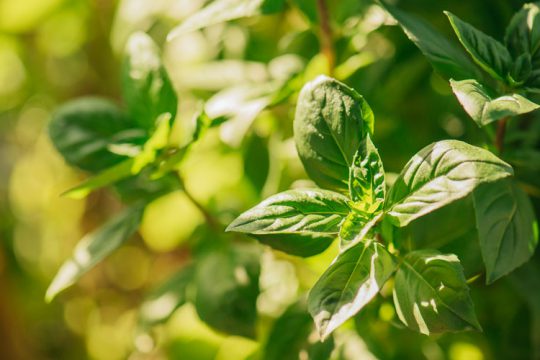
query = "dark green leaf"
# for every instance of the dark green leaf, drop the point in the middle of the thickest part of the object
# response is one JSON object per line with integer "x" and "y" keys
{"x": 522, "y": 34}
{"x": 219, "y": 11}
{"x": 146, "y": 87}
{"x": 446, "y": 59}
{"x": 507, "y": 227}
{"x": 94, "y": 247}
{"x": 227, "y": 286}
{"x": 161, "y": 303}
{"x": 485, "y": 109}
{"x": 487, "y": 52}
{"x": 431, "y": 294}
{"x": 83, "y": 130}
{"x": 330, "y": 124}
{"x": 353, "y": 279}
{"x": 291, "y": 334}
{"x": 439, "y": 174}
{"x": 299, "y": 222}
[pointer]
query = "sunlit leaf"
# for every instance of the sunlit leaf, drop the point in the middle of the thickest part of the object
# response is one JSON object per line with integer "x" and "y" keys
{"x": 485, "y": 109}
{"x": 439, "y": 174}
{"x": 94, "y": 247}
{"x": 330, "y": 124}
{"x": 352, "y": 280}
{"x": 431, "y": 293}
{"x": 299, "y": 222}
{"x": 220, "y": 11}
{"x": 507, "y": 227}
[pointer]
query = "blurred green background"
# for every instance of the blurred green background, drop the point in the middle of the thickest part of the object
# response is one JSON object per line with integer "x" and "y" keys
{"x": 55, "y": 50}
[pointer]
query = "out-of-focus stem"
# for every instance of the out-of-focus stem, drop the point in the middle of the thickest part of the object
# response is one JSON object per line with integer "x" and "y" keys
{"x": 327, "y": 46}
{"x": 499, "y": 137}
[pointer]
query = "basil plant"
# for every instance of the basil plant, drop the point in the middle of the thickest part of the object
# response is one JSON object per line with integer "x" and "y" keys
{"x": 333, "y": 132}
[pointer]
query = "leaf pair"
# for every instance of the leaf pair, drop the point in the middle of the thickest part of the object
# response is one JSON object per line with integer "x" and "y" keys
{"x": 332, "y": 130}
{"x": 512, "y": 65}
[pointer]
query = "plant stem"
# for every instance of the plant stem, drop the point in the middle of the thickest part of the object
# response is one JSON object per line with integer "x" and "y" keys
{"x": 212, "y": 222}
{"x": 327, "y": 48}
{"x": 499, "y": 137}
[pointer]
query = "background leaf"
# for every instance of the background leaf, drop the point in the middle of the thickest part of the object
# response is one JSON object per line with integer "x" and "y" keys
{"x": 83, "y": 130}
{"x": 330, "y": 123}
{"x": 146, "y": 87}
{"x": 485, "y": 109}
{"x": 353, "y": 279}
{"x": 507, "y": 227}
{"x": 431, "y": 294}
{"x": 439, "y": 174}
{"x": 94, "y": 247}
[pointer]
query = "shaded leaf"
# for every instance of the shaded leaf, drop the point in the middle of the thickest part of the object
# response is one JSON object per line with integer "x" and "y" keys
{"x": 487, "y": 52}
{"x": 352, "y": 281}
{"x": 431, "y": 293}
{"x": 446, "y": 59}
{"x": 146, "y": 87}
{"x": 439, "y": 174}
{"x": 507, "y": 227}
{"x": 330, "y": 124}
{"x": 522, "y": 34}
{"x": 299, "y": 222}
{"x": 94, "y": 247}
{"x": 160, "y": 304}
{"x": 485, "y": 109}
{"x": 82, "y": 131}
{"x": 227, "y": 286}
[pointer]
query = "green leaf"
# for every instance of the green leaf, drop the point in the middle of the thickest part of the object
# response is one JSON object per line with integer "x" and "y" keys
{"x": 366, "y": 175}
{"x": 487, "y": 52}
{"x": 352, "y": 281}
{"x": 431, "y": 293}
{"x": 227, "y": 286}
{"x": 485, "y": 109}
{"x": 299, "y": 222}
{"x": 146, "y": 87}
{"x": 130, "y": 167}
{"x": 219, "y": 11}
{"x": 522, "y": 34}
{"x": 330, "y": 124}
{"x": 83, "y": 130}
{"x": 161, "y": 303}
{"x": 446, "y": 59}
{"x": 507, "y": 227}
{"x": 94, "y": 247}
{"x": 291, "y": 335}
{"x": 439, "y": 174}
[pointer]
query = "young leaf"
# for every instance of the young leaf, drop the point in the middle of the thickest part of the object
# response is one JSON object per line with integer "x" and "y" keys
{"x": 298, "y": 222}
{"x": 507, "y": 227}
{"x": 83, "y": 130}
{"x": 483, "y": 108}
{"x": 291, "y": 334}
{"x": 146, "y": 87}
{"x": 330, "y": 124}
{"x": 353, "y": 279}
{"x": 487, "y": 52}
{"x": 220, "y": 11}
{"x": 447, "y": 59}
{"x": 439, "y": 174}
{"x": 522, "y": 34}
{"x": 431, "y": 293}
{"x": 366, "y": 175}
{"x": 94, "y": 247}
{"x": 227, "y": 287}
{"x": 161, "y": 303}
